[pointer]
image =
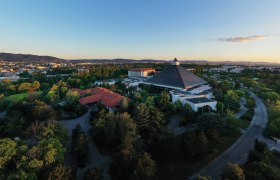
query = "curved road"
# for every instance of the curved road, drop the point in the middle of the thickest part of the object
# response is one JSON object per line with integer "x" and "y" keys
{"x": 238, "y": 152}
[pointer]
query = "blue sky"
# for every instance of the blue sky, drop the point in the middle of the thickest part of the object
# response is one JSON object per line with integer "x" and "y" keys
{"x": 158, "y": 29}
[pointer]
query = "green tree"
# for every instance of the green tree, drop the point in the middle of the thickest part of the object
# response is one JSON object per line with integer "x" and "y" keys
{"x": 260, "y": 146}
{"x": 164, "y": 100}
{"x": 221, "y": 108}
{"x": 22, "y": 175}
{"x": 218, "y": 94}
{"x": 80, "y": 146}
{"x": 137, "y": 97}
{"x": 7, "y": 151}
{"x": 150, "y": 101}
{"x": 24, "y": 87}
{"x": 273, "y": 128}
{"x": 42, "y": 112}
{"x": 232, "y": 100}
{"x": 145, "y": 167}
{"x": 141, "y": 116}
{"x": 178, "y": 105}
{"x": 35, "y": 85}
{"x": 233, "y": 172}
{"x": 188, "y": 113}
{"x": 124, "y": 159}
{"x": 93, "y": 174}
{"x": 124, "y": 105}
{"x": 71, "y": 97}
{"x": 254, "y": 156}
{"x": 262, "y": 170}
{"x": 272, "y": 97}
{"x": 237, "y": 85}
{"x": 61, "y": 172}
{"x": 51, "y": 151}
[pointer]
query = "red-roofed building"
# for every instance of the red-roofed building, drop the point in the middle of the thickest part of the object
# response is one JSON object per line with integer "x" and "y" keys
{"x": 105, "y": 96}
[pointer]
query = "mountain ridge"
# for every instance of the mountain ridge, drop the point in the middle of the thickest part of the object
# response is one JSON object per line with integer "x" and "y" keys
{"x": 12, "y": 57}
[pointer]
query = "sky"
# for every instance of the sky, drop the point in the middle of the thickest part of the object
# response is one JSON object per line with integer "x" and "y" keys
{"x": 239, "y": 30}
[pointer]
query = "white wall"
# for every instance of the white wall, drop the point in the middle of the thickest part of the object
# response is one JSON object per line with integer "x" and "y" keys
{"x": 200, "y": 105}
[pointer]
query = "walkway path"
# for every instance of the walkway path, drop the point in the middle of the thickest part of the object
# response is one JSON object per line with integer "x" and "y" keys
{"x": 96, "y": 159}
{"x": 238, "y": 152}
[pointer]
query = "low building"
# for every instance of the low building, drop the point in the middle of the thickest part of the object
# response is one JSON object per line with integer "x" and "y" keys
{"x": 109, "y": 82}
{"x": 141, "y": 72}
{"x": 133, "y": 81}
{"x": 196, "y": 98}
{"x": 201, "y": 102}
{"x": 101, "y": 95}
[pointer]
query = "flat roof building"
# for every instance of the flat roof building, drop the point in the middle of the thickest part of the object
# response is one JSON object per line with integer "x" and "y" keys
{"x": 140, "y": 72}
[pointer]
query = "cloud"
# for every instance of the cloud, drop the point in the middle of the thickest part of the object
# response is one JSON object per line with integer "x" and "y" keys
{"x": 244, "y": 39}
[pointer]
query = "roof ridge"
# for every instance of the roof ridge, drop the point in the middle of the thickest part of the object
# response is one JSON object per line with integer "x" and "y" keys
{"x": 180, "y": 75}
{"x": 190, "y": 74}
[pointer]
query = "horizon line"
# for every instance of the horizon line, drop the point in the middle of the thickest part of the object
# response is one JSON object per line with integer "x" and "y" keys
{"x": 139, "y": 59}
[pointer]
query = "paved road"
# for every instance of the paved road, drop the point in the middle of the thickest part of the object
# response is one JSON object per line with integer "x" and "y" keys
{"x": 95, "y": 158}
{"x": 238, "y": 152}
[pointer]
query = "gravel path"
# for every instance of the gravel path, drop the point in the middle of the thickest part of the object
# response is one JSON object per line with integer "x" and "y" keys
{"x": 96, "y": 159}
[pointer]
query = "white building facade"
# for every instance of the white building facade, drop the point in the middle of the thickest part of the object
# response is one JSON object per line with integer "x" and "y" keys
{"x": 141, "y": 72}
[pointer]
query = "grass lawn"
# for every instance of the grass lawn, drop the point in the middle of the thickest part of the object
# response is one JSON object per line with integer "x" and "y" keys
{"x": 19, "y": 97}
{"x": 178, "y": 168}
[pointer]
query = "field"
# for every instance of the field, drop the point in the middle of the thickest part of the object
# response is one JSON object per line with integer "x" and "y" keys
{"x": 19, "y": 97}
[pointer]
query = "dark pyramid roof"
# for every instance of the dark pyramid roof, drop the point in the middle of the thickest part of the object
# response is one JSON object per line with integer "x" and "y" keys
{"x": 176, "y": 76}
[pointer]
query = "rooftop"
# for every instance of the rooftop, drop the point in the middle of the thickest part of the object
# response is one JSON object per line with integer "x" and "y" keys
{"x": 99, "y": 94}
{"x": 176, "y": 76}
{"x": 200, "y": 100}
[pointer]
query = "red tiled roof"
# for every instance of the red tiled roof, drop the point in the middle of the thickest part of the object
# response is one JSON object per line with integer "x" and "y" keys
{"x": 105, "y": 96}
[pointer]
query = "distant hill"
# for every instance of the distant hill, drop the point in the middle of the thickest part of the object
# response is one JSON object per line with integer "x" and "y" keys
{"x": 32, "y": 58}
{"x": 119, "y": 61}
{"x": 27, "y": 57}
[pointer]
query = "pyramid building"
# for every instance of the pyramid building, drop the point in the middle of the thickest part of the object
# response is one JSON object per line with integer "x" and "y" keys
{"x": 184, "y": 86}
{"x": 176, "y": 77}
